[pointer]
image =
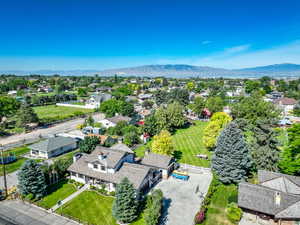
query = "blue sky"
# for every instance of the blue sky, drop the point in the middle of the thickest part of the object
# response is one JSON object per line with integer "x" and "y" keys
{"x": 103, "y": 34}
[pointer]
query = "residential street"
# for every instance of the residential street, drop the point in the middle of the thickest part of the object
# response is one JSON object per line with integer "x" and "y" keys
{"x": 59, "y": 128}
{"x": 16, "y": 212}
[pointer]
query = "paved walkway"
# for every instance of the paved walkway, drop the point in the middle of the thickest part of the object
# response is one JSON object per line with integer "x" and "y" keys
{"x": 181, "y": 202}
{"x": 16, "y": 212}
{"x": 69, "y": 198}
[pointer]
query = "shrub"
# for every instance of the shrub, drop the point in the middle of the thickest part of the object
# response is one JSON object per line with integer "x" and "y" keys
{"x": 29, "y": 197}
{"x": 112, "y": 193}
{"x": 200, "y": 216}
{"x": 233, "y": 212}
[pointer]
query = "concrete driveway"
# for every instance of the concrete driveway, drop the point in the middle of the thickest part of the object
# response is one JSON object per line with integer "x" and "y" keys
{"x": 181, "y": 201}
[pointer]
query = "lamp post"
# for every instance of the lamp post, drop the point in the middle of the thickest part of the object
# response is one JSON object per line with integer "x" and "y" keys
{"x": 4, "y": 171}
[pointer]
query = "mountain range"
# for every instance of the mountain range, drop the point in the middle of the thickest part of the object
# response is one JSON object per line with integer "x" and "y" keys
{"x": 179, "y": 71}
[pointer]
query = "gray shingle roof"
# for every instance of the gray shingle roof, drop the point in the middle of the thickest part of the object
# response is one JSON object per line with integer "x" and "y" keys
{"x": 123, "y": 147}
{"x": 134, "y": 172}
{"x": 117, "y": 119}
{"x": 156, "y": 160}
{"x": 52, "y": 144}
{"x": 262, "y": 199}
{"x": 279, "y": 181}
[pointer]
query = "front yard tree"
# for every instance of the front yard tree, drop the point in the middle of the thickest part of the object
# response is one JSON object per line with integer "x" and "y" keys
{"x": 32, "y": 180}
{"x": 162, "y": 143}
{"x": 231, "y": 160}
{"x": 89, "y": 144}
{"x": 198, "y": 105}
{"x": 125, "y": 206}
{"x": 153, "y": 207}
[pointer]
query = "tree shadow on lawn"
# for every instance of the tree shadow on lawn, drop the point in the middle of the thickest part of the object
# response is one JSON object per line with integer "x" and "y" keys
{"x": 54, "y": 187}
{"x": 165, "y": 211}
{"x": 177, "y": 154}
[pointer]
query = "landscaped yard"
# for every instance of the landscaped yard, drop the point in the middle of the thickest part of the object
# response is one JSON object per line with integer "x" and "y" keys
{"x": 57, "y": 192}
{"x": 18, "y": 152}
{"x": 51, "y": 113}
{"x": 90, "y": 207}
{"x": 216, "y": 213}
{"x": 188, "y": 143}
{"x": 93, "y": 208}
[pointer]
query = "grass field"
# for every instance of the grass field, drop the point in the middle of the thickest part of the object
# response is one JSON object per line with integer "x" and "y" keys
{"x": 57, "y": 192}
{"x": 93, "y": 208}
{"x": 90, "y": 207}
{"x": 216, "y": 211}
{"x": 187, "y": 143}
{"x": 51, "y": 113}
{"x": 12, "y": 167}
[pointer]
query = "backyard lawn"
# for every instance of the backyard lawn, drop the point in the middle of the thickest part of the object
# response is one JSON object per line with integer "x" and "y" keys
{"x": 216, "y": 210}
{"x": 51, "y": 113}
{"x": 188, "y": 143}
{"x": 18, "y": 152}
{"x": 57, "y": 192}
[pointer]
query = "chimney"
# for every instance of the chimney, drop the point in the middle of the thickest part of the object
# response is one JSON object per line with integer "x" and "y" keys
{"x": 101, "y": 156}
{"x": 277, "y": 198}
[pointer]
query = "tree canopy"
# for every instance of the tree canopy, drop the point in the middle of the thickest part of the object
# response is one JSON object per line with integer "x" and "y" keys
{"x": 162, "y": 143}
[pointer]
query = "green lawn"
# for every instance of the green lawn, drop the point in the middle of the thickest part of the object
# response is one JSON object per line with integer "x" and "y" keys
{"x": 216, "y": 211}
{"x": 188, "y": 143}
{"x": 12, "y": 167}
{"x": 90, "y": 207}
{"x": 93, "y": 208}
{"x": 57, "y": 192}
{"x": 52, "y": 113}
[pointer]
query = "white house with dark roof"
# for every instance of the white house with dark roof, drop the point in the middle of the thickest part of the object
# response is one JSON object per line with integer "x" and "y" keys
{"x": 276, "y": 198}
{"x": 112, "y": 121}
{"x": 53, "y": 147}
{"x": 107, "y": 166}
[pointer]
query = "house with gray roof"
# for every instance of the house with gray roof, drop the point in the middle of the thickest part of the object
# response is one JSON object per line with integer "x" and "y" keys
{"x": 53, "y": 147}
{"x": 112, "y": 121}
{"x": 107, "y": 166}
{"x": 165, "y": 164}
{"x": 275, "y": 198}
{"x": 95, "y": 100}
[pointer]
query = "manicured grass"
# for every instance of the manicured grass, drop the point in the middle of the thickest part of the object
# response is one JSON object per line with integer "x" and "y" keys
{"x": 57, "y": 192}
{"x": 90, "y": 207}
{"x": 216, "y": 213}
{"x": 12, "y": 167}
{"x": 52, "y": 113}
{"x": 187, "y": 143}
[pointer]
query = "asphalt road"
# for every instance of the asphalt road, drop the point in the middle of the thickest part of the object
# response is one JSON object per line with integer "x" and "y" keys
{"x": 59, "y": 128}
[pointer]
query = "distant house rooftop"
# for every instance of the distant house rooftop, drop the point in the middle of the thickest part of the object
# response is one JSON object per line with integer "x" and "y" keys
{"x": 285, "y": 101}
{"x": 123, "y": 147}
{"x": 53, "y": 143}
{"x": 119, "y": 118}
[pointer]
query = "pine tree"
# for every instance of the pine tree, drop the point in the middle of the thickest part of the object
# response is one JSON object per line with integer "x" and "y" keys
{"x": 26, "y": 115}
{"x": 231, "y": 160}
{"x": 125, "y": 205}
{"x": 32, "y": 180}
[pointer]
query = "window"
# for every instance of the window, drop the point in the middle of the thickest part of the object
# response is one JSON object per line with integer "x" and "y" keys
{"x": 80, "y": 176}
{"x": 103, "y": 168}
{"x": 73, "y": 174}
{"x": 95, "y": 166}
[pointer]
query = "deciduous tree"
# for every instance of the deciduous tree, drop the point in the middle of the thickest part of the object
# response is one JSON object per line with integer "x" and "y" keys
{"x": 162, "y": 143}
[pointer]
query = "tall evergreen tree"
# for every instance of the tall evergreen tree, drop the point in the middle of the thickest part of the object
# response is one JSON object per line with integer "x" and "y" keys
{"x": 125, "y": 205}
{"x": 32, "y": 180}
{"x": 231, "y": 160}
{"x": 26, "y": 115}
{"x": 153, "y": 209}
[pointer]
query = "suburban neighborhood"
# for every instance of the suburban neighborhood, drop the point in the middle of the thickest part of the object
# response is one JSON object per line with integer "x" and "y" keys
{"x": 161, "y": 112}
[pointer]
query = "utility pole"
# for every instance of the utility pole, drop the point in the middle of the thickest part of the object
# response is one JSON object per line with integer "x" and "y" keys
{"x": 4, "y": 171}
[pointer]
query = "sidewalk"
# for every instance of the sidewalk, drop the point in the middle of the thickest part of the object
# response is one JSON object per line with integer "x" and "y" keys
{"x": 85, "y": 187}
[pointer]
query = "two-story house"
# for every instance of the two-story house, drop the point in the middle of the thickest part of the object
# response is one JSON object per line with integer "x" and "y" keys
{"x": 107, "y": 166}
